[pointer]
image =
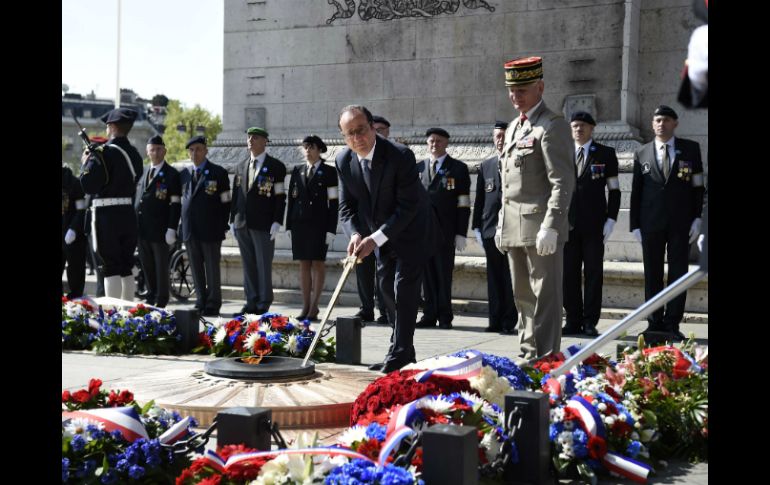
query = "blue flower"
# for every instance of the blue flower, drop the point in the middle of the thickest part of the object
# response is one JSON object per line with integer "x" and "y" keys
{"x": 274, "y": 338}
{"x": 136, "y": 472}
{"x": 116, "y": 435}
{"x": 376, "y": 431}
{"x": 65, "y": 472}
{"x": 633, "y": 449}
{"x": 78, "y": 442}
{"x": 264, "y": 169}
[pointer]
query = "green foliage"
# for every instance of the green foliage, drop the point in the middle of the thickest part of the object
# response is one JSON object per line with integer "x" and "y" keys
{"x": 191, "y": 119}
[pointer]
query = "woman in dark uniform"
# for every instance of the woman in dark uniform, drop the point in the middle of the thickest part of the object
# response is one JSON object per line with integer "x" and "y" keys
{"x": 312, "y": 221}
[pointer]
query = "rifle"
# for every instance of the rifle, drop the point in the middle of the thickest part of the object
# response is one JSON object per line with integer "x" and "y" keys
{"x": 91, "y": 146}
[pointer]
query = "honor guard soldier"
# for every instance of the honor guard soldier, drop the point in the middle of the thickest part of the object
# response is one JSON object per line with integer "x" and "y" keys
{"x": 666, "y": 203}
{"x": 592, "y": 216}
{"x": 259, "y": 202}
{"x": 158, "y": 208}
{"x": 74, "y": 245}
{"x": 311, "y": 221}
{"x": 502, "y": 309}
{"x": 205, "y": 207}
{"x": 448, "y": 184}
{"x": 110, "y": 175}
{"x": 538, "y": 181}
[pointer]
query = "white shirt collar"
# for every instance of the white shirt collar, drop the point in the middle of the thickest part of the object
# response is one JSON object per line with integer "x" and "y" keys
{"x": 260, "y": 158}
{"x": 533, "y": 109}
{"x": 315, "y": 164}
{"x": 440, "y": 161}
{"x": 369, "y": 156}
{"x": 670, "y": 144}
{"x": 585, "y": 147}
{"x": 157, "y": 167}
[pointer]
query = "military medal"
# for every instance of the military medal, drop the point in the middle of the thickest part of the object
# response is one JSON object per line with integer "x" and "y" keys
{"x": 450, "y": 183}
{"x": 489, "y": 185}
{"x": 294, "y": 192}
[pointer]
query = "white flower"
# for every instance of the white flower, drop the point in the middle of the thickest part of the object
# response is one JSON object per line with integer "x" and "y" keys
{"x": 251, "y": 317}
{"x": 220, "y": 335}
{"x": 351, "y": 435}
{"x": 622, "y": 417}
{"x": 491, "y": 386}
{"x": 564, "y": 438}
{"x": 569, "y": 425}
{"x": 156, "y": 315}
{"x": 94, "y": 323}
{"x": 609, "y": 420}
{"x": 78, "y": 426}
{"x": 557, "y": 415}
{"x": 491, "y": 445}
{"x": 292, "y": 344}
{"x": 250, "y": 340}
{"x": 74, "y": 310}
{"x": 124, "y": 314}
{"x": 602, "y": 407}
{"x": 438, "y": 404}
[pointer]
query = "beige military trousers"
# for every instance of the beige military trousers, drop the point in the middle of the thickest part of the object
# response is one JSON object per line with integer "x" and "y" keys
{"x": 537, "y": 291}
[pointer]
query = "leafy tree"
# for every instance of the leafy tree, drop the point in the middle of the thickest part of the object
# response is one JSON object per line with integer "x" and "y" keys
{"x": 191, "y": 119}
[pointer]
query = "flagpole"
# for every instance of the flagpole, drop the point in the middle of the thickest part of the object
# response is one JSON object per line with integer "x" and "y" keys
{"x": 117, "y": 77}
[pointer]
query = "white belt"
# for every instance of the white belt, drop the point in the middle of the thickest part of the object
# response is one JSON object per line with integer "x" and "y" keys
{"x": 112, "y": 201}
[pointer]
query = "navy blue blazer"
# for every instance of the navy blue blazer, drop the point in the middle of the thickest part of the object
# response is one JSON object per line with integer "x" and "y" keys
{"x": 398, "y": 204}
{"x": 206, "y": 206}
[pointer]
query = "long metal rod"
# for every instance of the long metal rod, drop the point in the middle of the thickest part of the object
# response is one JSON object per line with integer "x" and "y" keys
{"x": 350, "y": 262}
{"x": 666, "y": 295}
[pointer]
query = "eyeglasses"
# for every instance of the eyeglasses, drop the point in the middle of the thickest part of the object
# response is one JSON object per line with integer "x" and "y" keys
{"x": 358, "y": 132}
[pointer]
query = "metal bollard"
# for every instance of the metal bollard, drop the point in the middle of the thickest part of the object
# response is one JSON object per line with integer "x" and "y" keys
{"x": 531, "y": 438}
{"x": 250, "y": 426}
{"x": 450, "y": 455}
{"x": 348, "y": 339}
{"x": 188, "y": 326}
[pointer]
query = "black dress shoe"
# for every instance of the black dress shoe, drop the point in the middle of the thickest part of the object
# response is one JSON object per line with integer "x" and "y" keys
{"x": 377, "y": 366}
{"x": 571, "y": 329}
{"x": 301, "y": 317}
{"x": 445, "y": 326}
{"x": 365, "y": 317}
{"x": 679, "y": 336}
{"x": 383, "y": 320}
{"x": 423, "y": 323}
{"x": 509, "y": 331}
{"x": 492, "y": 329}
{"x": 245, "y": 309}
{"x": 260, "y": 310}
{"x": 590, "y": 330}
{"x": 391, "y": 366}
{"x": 210, "y": 312}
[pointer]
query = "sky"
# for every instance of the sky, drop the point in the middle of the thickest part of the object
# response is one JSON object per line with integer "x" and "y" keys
{"x": 170, "y": 47}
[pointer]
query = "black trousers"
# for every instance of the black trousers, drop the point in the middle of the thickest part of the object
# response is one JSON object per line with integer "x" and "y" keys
{"x": 674, "y": 242}
{"x": 116, "y": 235}
{"x": 400, "y": 284}
{"x": 583, "y": 258}
{"x": 368, "y": 284}
{"x": 502, "y": 309}
{"x": 204, "y": 262}
{"x": 74, "y": 257}
{"x": 154, "y": 257}
{"x": 437, "y": 284}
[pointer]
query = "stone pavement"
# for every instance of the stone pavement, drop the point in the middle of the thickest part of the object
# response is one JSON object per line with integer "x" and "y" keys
{"x": 79, "y": 367}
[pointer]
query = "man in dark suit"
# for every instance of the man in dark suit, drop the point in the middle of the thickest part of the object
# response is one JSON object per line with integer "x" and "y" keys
{"x": 158, "y": 208}
{"x": 74, "y": 246}
{"x": 503, "y": 315}
{"x": 591, "y": 220}
{"x": 205, "y": 208}
{"x": 259, "y": 202}
{"x": 384, "y": 209}
{"x": 448, "y": 184}
{"x": 110, "y": 176}
{"x": 666, "y": 202}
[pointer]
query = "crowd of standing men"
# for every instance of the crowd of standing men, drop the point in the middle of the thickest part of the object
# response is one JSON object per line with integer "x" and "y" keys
{"x": 545, "y": 206}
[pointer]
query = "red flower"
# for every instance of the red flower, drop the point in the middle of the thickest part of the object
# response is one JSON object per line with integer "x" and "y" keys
{"x": 228, "y": 450}
{"x": 232, "y": 326}
{"x": 621, "y": 428}
{"x": 205, "y": 340}
{"x": 93, "y": 386}
{"x": 82, "y": 396}
{"x": 262, "y": 346}
{"x": 124, "y": 398}
{"x": 571, "y": 414}
{"x": 417, "y": 459}
{"x": 279, "y": 323}
{"x": 253, "y": 327}
{"x": 247, "y": 470}
{"x": 64, "y": 299}
{"x": 238, "y": 344}
{"x": 370, "y": 448}
{"x": 597, "y": 447}
{"x": 212, "y": 480}
{"x": 66, "y": 396}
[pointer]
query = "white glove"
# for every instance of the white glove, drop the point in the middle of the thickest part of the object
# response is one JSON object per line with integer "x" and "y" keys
{"x": 609, "y": 225}
{"x": 545, "y": 241}
{"x": 460, "y": 242}
{"x": 477, "y": 232}
{"x": 170, "y": 236}
{"x": 695, "y": 230}
{"x": 638, "y": 235}
{"x": 288, "y": 234}
{"x": 274, "y": 230}
{"x": 329, "y": 238}
{"x": 69, "y": 238}
{"x": 701, "y": 238}
{"x": 498, "y": 240}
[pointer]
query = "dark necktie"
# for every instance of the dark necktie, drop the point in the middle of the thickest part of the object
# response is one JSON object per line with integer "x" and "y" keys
{"x": 580, "y": 161}
{"x": 310, "y": 172}
{"x": 367, "y": 173}
{"x": 433, "y": 170}
{"x": 666, "y": 164}
{"x": 149, "y": 177}
{"x": 196, "y": 176}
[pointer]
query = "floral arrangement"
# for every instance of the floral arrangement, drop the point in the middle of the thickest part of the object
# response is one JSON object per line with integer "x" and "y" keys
{"x": 99, "y": 448}
{"x": 271, "y": 333}
{"x": 138, "y": 330}
{"x": 78, "y": 325}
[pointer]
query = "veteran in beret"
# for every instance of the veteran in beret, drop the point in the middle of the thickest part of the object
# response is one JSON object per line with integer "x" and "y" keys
{"x": 110, "y": 176}
{"x": 666, "y": 202}
{"x": 205, "y": 209}
{"x": 538, "y": 178}
{"x": 256, "y": 215}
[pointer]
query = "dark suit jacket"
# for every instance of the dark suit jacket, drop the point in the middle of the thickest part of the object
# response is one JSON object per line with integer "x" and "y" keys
{"x": 113, "y": 178}
{"x": 656, "y": 203}
{"x": 71, "y": 193}
{"x": 590, "y": 209}
{"x": 155, "y": 212}
{"x": 449, "y": 192}
{"x": 488, "y": 198}
{"x": 310, "y": 204}
{"x": 398, "y": 205}
{"x": 206, "y": 206}
{"x": 265, "y": 201}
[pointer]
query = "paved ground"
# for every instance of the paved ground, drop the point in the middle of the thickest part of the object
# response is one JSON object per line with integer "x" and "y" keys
{"x": 79, "y": 367}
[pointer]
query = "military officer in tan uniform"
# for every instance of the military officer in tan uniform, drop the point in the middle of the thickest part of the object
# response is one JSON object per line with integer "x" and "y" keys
{"x": 538, "y": 179}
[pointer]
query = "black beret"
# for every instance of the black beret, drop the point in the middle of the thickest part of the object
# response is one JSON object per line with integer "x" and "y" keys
{"x": 437, "y": 131}
{"x": 664, "y": 110}
{"x": 317, "y": 141}
{"x": 120, "y": 115}
{"x": 380, "y": 119}
{"x": 502, "y": 125}
{"x": 583, "y": 116}
{"x": 156, "y": 140}
{"x": 196, "y": 139}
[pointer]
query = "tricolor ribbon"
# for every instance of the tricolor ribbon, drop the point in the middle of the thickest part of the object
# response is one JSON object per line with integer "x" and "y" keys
{"x": 401, "y": 416}
{"x": 592, "y": 424}
{"x": 553, "y": 387}
{"x": 124, "y": 419}
{"x": 466, "y": 369}
{"x": 216, "y": 462}
{"x": 174, "y": 433}
{"x": 392, "y": 442}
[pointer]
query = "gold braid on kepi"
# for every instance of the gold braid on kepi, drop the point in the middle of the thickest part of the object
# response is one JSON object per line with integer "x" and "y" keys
{"x": 523, "y": 70}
